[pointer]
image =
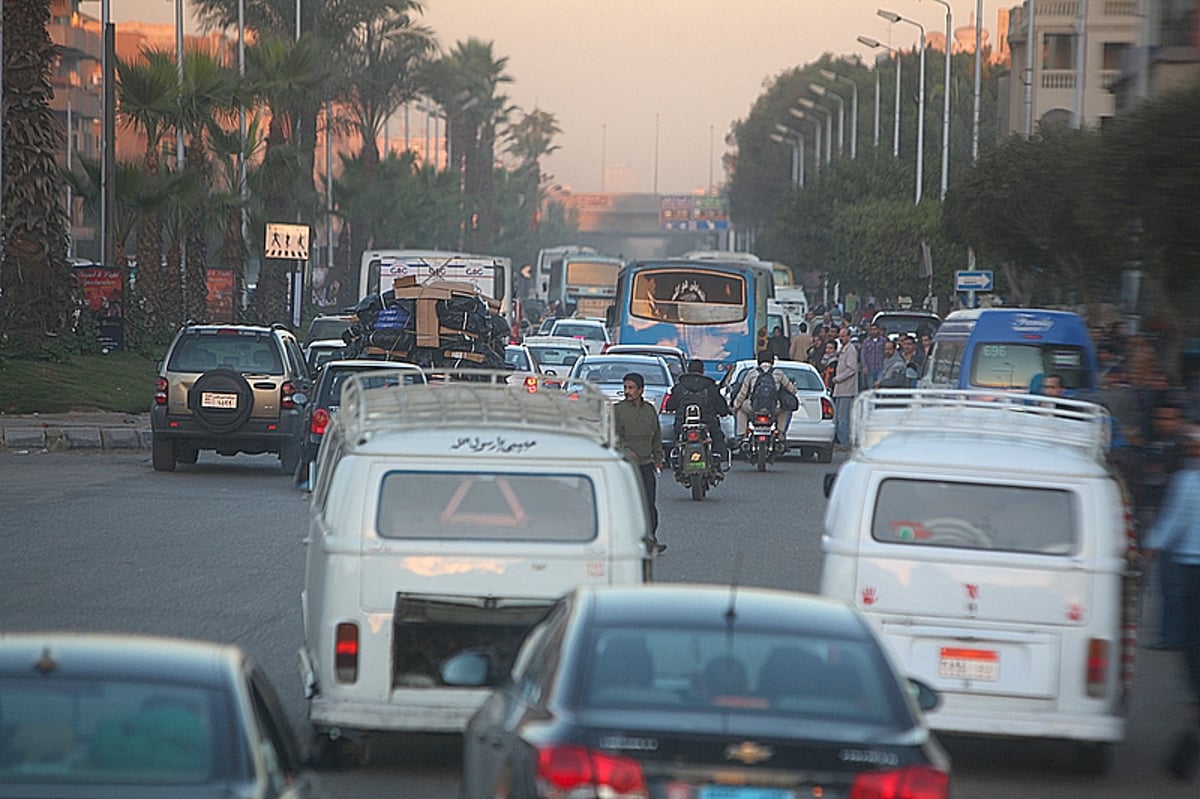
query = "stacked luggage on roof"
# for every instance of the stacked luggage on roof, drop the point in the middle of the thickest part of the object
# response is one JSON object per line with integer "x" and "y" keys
{"x": 442, "y": 324}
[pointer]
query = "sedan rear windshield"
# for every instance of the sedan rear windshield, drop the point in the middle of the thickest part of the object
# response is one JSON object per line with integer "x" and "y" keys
{"x": 589, "y": 332}
{"x": 975, "y": 516}
{"x": 97, "y": 731}
{"x": 779, "y": 674}
{"x": 612, "y": 370}
{"x": 483, "y": 506}
{"x": 370, "y": 378}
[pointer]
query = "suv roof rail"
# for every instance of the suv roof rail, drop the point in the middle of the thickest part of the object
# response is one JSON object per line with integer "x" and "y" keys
{"x": 1084, "y": 426}
{"x": 479, "y": 398}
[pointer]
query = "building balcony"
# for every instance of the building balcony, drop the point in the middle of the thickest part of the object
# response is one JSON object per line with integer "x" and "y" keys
{"x": 75, "y": 39}
{"x": 1050, "y": 12}
{"x": 1058, "y": 79}
{"x": 84, "y": 104}
{"x": 1120, "y": 8}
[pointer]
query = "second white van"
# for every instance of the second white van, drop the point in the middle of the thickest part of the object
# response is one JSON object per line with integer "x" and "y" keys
{"x": 988, "y": 540}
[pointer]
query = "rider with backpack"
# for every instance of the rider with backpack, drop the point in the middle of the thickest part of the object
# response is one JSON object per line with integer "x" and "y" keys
{"x": 761, "y": 391}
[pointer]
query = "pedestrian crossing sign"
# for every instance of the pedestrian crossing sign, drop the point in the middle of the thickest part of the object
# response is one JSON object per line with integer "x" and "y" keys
{"x": 289, "y": 242}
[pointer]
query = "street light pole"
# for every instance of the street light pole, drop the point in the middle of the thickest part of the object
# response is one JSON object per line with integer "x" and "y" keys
{"x": 821, "y": 91}
{"x": 798, "y": 114}
{"x": 978, "y": 80}
{"x": 829, "y": 74}
{"x": 891, "y": 16}
{"x": 783, "y": 136}
{"x": 946, "y": 101}
{"x": 869, "y": 42}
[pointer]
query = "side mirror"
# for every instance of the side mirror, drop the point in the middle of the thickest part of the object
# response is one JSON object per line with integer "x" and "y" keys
{"x": 927, "y": 698}
{"x": 300, "y": 398}
{"x": 911, "y": 372}
{"x": 550, "y": 372}
{"x": 830, "y": 478}
{"x": 470, "y": 669}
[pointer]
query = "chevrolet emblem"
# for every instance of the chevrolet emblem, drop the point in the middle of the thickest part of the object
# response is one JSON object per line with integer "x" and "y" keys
{"x": 748, "y": 752}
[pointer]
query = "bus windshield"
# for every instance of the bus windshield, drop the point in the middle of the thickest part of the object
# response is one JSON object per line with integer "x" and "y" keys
{"x": 592, "y": 274}
{"x": 690, "y": 297}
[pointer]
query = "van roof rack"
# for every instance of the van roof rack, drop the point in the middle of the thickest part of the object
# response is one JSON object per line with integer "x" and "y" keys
{"x": 1084, "y": 426}
{"x": 478, "y": 397}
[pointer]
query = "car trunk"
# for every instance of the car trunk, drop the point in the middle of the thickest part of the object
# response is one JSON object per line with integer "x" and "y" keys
{"x": 427, "y": 630}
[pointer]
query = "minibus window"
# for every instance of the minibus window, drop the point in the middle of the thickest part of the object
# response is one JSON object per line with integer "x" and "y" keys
{"x": 480, "y": 506}
{"x": 975, "y": 516}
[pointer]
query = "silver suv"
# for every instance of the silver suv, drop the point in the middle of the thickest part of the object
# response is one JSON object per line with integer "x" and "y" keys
{"x": 229, "y": 388}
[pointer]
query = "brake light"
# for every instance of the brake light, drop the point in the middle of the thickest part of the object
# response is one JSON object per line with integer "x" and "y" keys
{"x": 286, "y": 391}
{"x": 576, "y": 771}
{"x": 762, "y": 418}
{"x": 345, "y": 652}
{"x": 531, "y": 384}
{"x": 1097, "y": 667}
{"x": 912, "y": 782}
{"x": 160, "y": 391}
{"x": 826, "y": 408}
{"x": 320, "y": 421}
{"x": 693, "y": 435}
{"x": 662, "y": 408}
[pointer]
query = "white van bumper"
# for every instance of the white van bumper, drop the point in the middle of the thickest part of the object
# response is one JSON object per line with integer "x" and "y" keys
{"x": 1027, "y": 725}
{"x": 412, "y": 709}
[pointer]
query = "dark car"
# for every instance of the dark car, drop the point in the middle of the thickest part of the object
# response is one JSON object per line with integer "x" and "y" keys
{"x": 699, "y": 691}
{"x": 327, "y": 398}
{"x": 135, "y": 717}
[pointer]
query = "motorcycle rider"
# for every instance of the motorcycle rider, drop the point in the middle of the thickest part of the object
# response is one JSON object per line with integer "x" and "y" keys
{"x": 696, "y": 388}
{"x": 741, "y": 403}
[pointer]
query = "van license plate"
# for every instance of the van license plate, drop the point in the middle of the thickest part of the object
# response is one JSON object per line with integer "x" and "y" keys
{"x": 210, "y": 399}
{"x": 956, "y": 663}
{"x": 737, "y": 792}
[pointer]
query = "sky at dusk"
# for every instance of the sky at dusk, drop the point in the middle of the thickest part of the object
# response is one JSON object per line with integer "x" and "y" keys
{"x": 627, "y": 78}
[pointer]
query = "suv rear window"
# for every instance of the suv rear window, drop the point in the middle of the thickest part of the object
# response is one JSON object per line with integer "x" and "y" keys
{"x": 975, "y": 516}
{"x": 245, "y": 352}
{"x": 488, "y": 507}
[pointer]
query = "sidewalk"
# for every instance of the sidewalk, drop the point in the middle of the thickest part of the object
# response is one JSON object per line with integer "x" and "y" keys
{"x": 80, "y": 431}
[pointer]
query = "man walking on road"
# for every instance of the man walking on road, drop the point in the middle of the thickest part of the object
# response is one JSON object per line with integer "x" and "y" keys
{"x": 1176, "y": 531}
{"x": 845, "y": 387}
{"x": 639, "y": 435}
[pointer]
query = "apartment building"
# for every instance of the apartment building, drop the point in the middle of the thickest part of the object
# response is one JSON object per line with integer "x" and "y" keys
{"x": 1167, "y": 57}
{"x": 1079, "y": 48}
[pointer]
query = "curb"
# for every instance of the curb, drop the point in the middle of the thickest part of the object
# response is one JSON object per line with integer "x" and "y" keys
{"x": 56, "y": 438}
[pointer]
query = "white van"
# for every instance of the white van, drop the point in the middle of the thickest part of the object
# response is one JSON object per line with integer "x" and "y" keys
{"x": 451, "y": 516}
{"x": 989, "y": 541}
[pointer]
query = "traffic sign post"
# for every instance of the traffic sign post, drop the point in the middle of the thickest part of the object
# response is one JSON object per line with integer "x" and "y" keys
{"x": 289, "y": 243}
{"x": 971, "y": 282}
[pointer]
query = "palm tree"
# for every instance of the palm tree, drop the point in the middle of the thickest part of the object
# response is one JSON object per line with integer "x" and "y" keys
{"x": 36, "y": 284}
{"x": 465, "y": 83}
{"x": 205, "y": 102}
{"x": 381, "y": 63}
{"x": 530, "y": 139}
{"x": 148, "y": 93}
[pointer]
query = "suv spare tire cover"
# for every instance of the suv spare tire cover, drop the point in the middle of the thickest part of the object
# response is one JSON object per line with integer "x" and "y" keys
{"x": 223, "y": 380}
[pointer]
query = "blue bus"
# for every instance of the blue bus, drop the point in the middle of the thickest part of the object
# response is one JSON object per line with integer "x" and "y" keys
{"x": 713, "y": 310}
{"x": 1011, "y": 349}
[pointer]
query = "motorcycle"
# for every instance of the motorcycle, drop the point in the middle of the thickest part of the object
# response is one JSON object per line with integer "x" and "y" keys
{"x": 763, "y": 442}
{"x": 692, "y": 456}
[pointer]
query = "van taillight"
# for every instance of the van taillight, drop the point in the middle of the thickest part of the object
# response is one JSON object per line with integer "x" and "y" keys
{"x": 1097, "y": 667}
{"x": 531, "y": 384}
{"x": 286, "y": 391}
{"x": 578, "y": 771}
{"x": 320, "y": 421}
{"x": 345, "y": 652}
{"x": 913, "y": 782}
{"x": 160, "y": 391}
{"x": 662, "y": 408}
{"x": 826, "y": 408}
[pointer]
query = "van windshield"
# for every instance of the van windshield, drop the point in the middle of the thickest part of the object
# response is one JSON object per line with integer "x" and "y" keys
{"x": 1014, "y": 366}
{"x": 975, "y": 516}
{"x": 482, "y": 506}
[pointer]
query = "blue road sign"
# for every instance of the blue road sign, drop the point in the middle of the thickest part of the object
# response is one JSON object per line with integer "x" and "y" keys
{"x": 973, "y": 281}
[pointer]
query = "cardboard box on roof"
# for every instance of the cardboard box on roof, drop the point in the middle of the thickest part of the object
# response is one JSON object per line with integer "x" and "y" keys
{"x": 427, "y": 295}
